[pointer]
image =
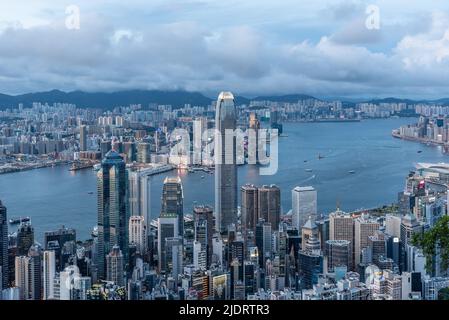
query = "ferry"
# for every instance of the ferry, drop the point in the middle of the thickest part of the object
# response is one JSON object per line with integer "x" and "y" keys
{"x": 19, "y": 220}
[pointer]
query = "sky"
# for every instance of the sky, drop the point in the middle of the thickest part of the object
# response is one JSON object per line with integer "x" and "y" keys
{"x": 339, "y": 48}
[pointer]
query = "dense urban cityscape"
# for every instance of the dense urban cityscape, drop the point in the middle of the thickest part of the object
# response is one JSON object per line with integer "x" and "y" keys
{"x": 211, "y": 159}
{"x": 240, "y": 250}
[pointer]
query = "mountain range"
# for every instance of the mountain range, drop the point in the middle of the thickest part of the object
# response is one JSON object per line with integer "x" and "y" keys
{"x": 109, "y": 100}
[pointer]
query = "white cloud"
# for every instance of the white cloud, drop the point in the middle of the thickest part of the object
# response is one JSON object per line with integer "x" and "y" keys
{"x": 106, "y": 54}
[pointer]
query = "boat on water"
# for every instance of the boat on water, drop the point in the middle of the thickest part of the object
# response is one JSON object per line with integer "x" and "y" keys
{"x": 419, "y": 151}
{"x": 90, "y": 192}
{"x": 202, "y": 177}
{"x": 97, "y": 167}
{"x": 320, "y": 156}
{"x": 308, "y": 170}
{"x": 19, "y": 220}
{"x": 351, "y": 171}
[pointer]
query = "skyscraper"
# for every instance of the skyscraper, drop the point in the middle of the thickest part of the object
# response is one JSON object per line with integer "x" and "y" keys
{"x": 174, "y": 256}
{"x": 49, "y": 262}
{"x": 25, "y": 238}
{"x": 341, "y": 227}
{"x": 339, "y": 254}
{"x": 409, "y": 227}
{"x": 364, "y": 227}
{"x": 263, "y": 241}
{"x": 113, "y": 216}
{"x": 249, "y": 206}
{"x": 28, "y": 274}
{"x": 173, "y": 202}
{"x": 310, "y": 262}
{"x": 167, "y": 227}
{"x": 56, "y": 240}
{"x": 225, "y": 163}
{"x": 4, "y": 267}
{"x": 269, "y": 198}
{"x": 83, "y": 138}
{"x": 304, "y": 204}
{"x": 139, "y": 193}
{"x": 114, "y": 263}
{"x": 35, "y": 272}
{"x": 203, "y": 223}
{"x": 138, "y": 233}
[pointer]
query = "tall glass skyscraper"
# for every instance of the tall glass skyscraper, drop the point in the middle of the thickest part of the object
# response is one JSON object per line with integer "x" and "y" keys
{"x": 225, "y": 163}
{"x": 113, "y": 213}
{"x": 173, "y": 201}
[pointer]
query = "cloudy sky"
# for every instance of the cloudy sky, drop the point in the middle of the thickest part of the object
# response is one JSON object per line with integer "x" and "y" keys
{"x": 251, "y": 47}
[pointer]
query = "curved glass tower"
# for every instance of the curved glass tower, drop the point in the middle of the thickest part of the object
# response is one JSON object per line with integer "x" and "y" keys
{"x": 225, "y": 163}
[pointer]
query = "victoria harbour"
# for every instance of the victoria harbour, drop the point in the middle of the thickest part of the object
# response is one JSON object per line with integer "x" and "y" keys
{"x": 361, "y": 166}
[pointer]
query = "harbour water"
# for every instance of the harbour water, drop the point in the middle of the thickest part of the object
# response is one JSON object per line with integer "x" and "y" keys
{"x": 361, "y": 166}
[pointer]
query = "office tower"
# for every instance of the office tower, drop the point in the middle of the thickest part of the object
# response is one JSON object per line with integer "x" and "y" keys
{"x": 174, "y": 256}
{"x": 172, "y": 202}
{"x": 138, "y": 233}
{"x": 83, "y": 138}
{"x": 204, "y": 225}
{"x": 393, "y": 225}
{"x": 49, "y": 262}
{"x": 56, "y": 241}
{"x": 304, "y": 204}
{"x": 217, "y": 250}
{"x": 139, "y": 193}
{"x": 263, "y": 241}
{"x": 64, "y": 287}
{"x": 35, "y": 272}
{"x": 339, "y": 254}
{"x": 394, "y": 249}
{"x": 144, "y": 152}
{"x": 409, "y": 227}
{"x": 199, "y": 256}
{"x": 323, "y": 231}
{"x": 22, "y": 276}
{"x": 250, "y": 277}
{"x": 308, "y": 230}
{"x": 115, "y": 262}
{"x": 28, "y": 274}
{"x": 341, "y": 226}
{"x": 364, "y": 227}
{"x": 4, "y": 264}
{"x": 168, "y": 227}
{"x": 225, "y": 163}
{"x": 25, "y": 238}
{"x": 270, "y": 205}
{"x": 249, "y": 206}
{"x": 113, "y": 214}
{"x": 378, "y": 246}
{"x": 310, "y": 262}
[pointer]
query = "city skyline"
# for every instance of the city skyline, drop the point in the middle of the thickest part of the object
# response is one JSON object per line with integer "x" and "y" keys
{"x": 324, "y": 48}
{"x": 232, "y": 151}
